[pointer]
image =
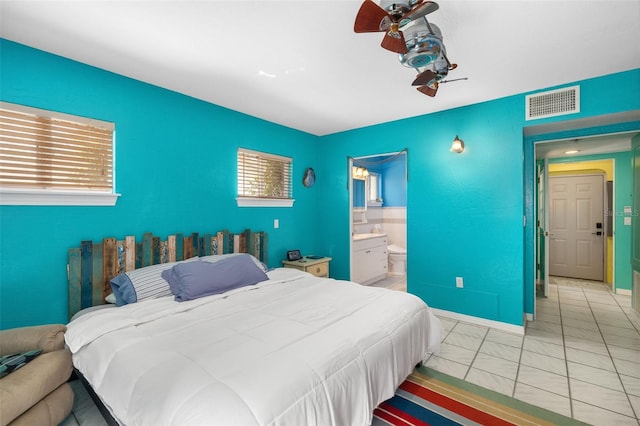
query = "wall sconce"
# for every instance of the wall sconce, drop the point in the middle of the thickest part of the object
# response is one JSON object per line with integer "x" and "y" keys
{"x": 457, "y": 146}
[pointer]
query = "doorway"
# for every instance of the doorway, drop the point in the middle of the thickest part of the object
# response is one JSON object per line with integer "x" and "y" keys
{"x": 378, "y": 220}
{"x": 597, "y": 155}
{"x": 612, "y": 144}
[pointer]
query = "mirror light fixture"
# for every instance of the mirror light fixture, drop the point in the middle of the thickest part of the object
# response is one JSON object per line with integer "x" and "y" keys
{"x": 360, "y": 173}
{"x": 457, "y": 146}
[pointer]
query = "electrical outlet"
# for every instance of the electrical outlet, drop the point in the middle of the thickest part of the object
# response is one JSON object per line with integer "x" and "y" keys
{"x": 459, "y": 282}
{"x": 276, "y": 224}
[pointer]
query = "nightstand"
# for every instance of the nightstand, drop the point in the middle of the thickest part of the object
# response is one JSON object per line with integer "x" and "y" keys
{"x": 317, "y": 267}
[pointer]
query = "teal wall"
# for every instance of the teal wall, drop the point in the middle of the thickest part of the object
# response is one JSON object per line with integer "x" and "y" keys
{"x": 176, "y": 164}
{"x": 623, "y": 180}
{"x": 175, "y": 169}
{"x": 465, "y": 212}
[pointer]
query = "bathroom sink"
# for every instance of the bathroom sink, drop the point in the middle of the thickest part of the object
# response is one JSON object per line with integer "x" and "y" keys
{"x": 358, "y": 237}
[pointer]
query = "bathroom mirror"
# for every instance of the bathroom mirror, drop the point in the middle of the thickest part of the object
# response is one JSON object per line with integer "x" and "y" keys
{"x": 374, "y": 189}
{"x": 359, "y": 195}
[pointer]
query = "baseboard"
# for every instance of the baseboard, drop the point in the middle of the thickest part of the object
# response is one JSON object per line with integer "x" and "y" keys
{"x": 623, "y": 291}
{"x": 502, "y": 326}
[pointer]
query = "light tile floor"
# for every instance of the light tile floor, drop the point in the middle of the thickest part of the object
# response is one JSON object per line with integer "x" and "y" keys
{"x": 580, "y": 358}
{"x": 84, "y": 412}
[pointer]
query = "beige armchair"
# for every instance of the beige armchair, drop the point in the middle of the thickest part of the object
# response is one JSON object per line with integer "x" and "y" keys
{"x": 38, "y": 392}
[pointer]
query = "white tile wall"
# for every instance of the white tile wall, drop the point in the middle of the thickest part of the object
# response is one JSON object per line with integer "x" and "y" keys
{"x": 389, "y": 220}
{"x": 394, "y": 224}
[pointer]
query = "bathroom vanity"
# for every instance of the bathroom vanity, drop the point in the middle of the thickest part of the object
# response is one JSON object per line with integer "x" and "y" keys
{"x": 369, "y": 258}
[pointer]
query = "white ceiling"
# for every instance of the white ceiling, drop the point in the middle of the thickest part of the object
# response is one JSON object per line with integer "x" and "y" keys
{"x": 299, "y": 63}
{"x": 584, "y": 146}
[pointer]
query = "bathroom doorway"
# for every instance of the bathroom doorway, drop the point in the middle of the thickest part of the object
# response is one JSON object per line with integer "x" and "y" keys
{"x": 378, "y": 219}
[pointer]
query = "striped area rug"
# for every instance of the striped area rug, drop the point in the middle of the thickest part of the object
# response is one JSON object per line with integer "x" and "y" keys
{"x": 429, "y": 397}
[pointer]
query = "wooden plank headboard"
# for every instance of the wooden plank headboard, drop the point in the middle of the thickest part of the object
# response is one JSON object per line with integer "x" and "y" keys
{"x": 92, "y": 265}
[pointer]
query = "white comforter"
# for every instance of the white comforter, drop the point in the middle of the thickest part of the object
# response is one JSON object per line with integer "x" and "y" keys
{"x": 294, "y": 350}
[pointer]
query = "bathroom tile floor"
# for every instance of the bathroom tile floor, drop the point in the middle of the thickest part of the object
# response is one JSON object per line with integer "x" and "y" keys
{"x": 580, "y": 357}
{"x": 393, "y": 282}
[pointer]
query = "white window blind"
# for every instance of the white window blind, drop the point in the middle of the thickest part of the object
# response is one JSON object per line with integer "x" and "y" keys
{"x": 44, "y": 150}
{"x": 264, "y": 176}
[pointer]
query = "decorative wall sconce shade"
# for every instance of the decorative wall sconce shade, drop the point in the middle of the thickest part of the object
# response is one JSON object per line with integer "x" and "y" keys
{"x": 457, "y": 146}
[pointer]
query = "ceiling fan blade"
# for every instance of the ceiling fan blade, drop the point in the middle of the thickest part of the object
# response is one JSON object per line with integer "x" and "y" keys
{"x": 371, "y": 18}
{"x": 424, "y": 78}
{"x": 429, "y": 91}
{"x": 421, "y": 10}
{"x": 394, "y": 41}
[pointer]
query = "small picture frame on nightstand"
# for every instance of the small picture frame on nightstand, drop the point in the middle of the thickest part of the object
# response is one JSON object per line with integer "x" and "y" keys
{"x": 293, "y": 255}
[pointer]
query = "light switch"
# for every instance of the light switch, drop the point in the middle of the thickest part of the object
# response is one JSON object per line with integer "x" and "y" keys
{"x": 276, "y": 224}
{"x": 627, "y": 220}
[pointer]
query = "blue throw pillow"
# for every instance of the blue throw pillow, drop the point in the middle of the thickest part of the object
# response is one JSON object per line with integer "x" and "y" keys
{"x": 218, "y": 257}
{"x": 142, "y": 284}
{"x": 192, "y": 280}
{"x": 123, "y": 289}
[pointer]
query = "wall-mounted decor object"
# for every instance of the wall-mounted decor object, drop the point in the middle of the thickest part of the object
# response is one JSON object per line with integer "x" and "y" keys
{"x": 457, "y": 146}
{"x": 309, "y": 177}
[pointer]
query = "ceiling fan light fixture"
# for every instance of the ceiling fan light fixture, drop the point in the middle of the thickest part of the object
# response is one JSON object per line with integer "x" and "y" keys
{"x": 423, "y": 46}
{"x": 397, "y": 7}
{"x": 408, "y": 32}
{"x": 394, "y": 40}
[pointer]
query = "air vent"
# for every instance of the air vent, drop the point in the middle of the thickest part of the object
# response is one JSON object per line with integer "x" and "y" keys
{"x": 553, "y": 103}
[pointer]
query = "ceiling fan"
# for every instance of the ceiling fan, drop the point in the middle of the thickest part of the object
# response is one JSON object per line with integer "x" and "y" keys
{"x": 389, "y": 17}
{"x": 426, "y": 50}
{"x": 419, "y": 46}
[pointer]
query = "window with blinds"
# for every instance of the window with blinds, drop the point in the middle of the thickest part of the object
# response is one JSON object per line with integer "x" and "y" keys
{"x": 264, "y": 176}
{"x": 44, "y": 151}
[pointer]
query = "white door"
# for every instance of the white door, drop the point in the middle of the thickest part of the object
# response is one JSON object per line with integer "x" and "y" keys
{"x": 576, "y": 226}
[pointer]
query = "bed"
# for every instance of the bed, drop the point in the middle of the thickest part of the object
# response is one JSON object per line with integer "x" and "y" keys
{"x": 290, "y": 349}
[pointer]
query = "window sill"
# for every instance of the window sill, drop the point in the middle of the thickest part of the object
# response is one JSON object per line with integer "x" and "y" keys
{"x": 264, "y": 202}
{"x": 25, "y": 197}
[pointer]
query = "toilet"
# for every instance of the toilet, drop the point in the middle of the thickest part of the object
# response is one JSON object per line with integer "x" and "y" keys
{"x": 397, "y": 260}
